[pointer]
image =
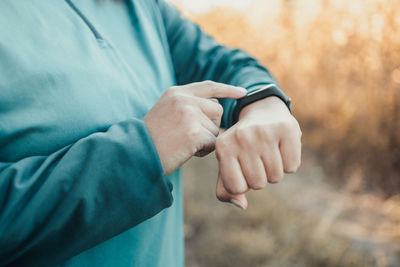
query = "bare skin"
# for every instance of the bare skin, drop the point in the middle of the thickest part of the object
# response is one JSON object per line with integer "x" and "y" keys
{"x": 185, "y": 121}
{"x": 260, "y": 148}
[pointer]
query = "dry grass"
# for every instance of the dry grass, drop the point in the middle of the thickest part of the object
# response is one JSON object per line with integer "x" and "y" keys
{"x": 341, "y": 66}
{"x": 275, "y": 230}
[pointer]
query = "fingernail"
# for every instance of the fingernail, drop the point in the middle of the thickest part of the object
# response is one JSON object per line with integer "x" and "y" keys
{"x": 242, "y": 90}
{"x": 237, "y": 204}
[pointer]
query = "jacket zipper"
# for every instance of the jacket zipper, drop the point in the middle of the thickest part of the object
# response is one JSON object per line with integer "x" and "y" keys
{"x": 96, "y": 34}
{"x": 102, "y": 41}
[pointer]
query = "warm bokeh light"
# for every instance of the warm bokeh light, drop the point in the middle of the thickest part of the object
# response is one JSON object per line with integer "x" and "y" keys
{"x": 340, "y": 62}
{"x": 396, "y": 75}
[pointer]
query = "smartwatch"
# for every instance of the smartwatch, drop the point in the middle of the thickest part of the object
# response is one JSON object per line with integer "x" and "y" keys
{"x": 269, "y": 90}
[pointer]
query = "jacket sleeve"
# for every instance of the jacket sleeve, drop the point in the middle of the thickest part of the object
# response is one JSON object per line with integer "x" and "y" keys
{"x": 79, "y": 196}
{"x": 196, "y": 57}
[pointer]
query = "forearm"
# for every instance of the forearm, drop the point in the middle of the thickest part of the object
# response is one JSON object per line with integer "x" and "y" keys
{"x": 79, "y": 196}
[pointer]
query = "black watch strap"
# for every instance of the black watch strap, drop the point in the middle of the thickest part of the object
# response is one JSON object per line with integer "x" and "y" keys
{"x": 270, "y": 90}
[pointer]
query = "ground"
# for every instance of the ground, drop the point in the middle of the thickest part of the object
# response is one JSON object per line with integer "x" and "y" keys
{"x": 303, "y": 221}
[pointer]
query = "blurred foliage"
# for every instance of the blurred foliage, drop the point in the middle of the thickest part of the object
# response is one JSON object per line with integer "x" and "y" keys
{"x": 339, "y": 60}
{"x": 341, "y": 66}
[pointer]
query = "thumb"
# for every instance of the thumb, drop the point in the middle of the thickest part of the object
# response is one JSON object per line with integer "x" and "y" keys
{"x": 239, "y": 200}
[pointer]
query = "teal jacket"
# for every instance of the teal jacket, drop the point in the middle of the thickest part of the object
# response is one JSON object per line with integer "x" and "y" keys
{"x": 80, "y": 180}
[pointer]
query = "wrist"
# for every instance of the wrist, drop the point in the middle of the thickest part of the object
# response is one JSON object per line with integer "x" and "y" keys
{"x": 268, "y": 103}
{"x": 268, "y": 91}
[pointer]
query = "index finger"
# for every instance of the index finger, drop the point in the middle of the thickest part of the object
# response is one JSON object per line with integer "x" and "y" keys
{"x": 209, "y": 89}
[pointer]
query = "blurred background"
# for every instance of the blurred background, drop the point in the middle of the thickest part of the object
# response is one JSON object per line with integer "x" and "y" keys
{"x": 340, "y": 63}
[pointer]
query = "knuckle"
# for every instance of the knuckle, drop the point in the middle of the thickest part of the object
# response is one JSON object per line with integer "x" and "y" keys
{"x": 186, "y": 110}
{"x": 208, "y": 83}
{"x": 258, "y": 184}
{"x": 177, "y": 100}
{"x": 193, "y": 133}
{"x": 285, "y": 126}
{"x": 211, "y": 86}
{"x": 275, "y": 178}
{"x": 189, "y": 112}
{"x": 180, "y": 112}
{"x": 215, "y": 129}
{"x": 261, "y": 131}
{"x": 234, "y": 189}
{"x": 216, "y": 117}
{"x": 219, "y": 110}
{"x": 243, "y": 136}
{"x": 231, "y": 189}
{"x": 183, "y": 111}
{"x": 240, "y": 134}
{"x": 291, "y": 169}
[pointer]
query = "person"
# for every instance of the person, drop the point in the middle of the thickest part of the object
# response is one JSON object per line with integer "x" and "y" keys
{"x": 101, "y": 102}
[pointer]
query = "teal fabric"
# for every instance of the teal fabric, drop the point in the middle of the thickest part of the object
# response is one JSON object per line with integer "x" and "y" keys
{"x": 81, "y": 183}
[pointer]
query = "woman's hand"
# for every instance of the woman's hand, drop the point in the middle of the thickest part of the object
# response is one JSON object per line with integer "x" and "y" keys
{"x": 263, "y": 145}
{"x": 185, "y": 121}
